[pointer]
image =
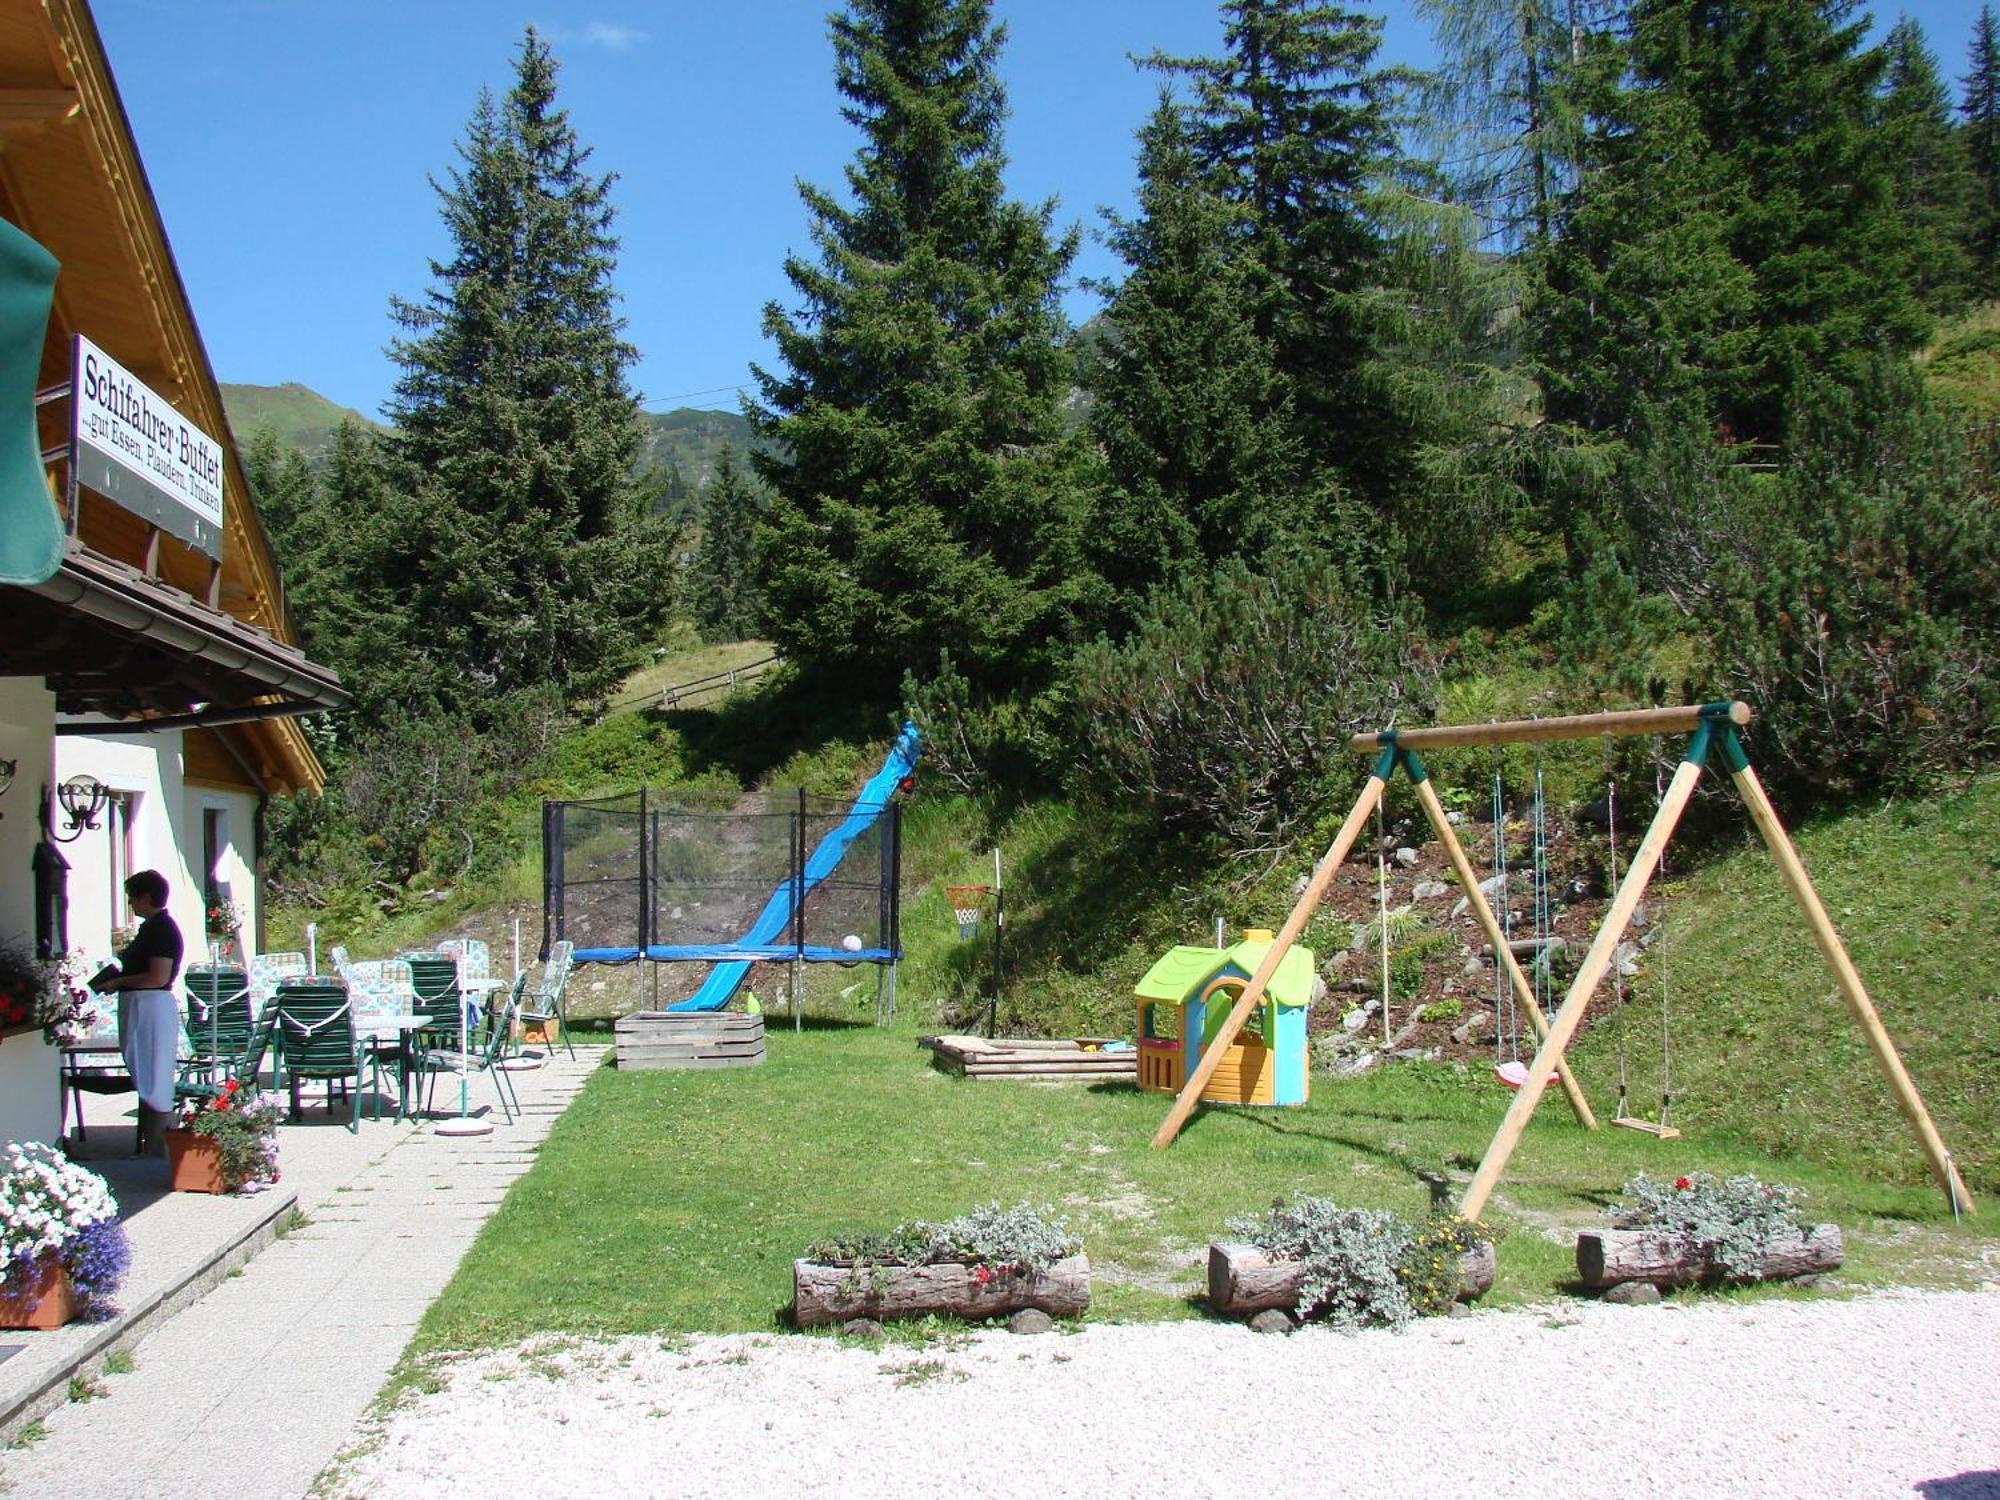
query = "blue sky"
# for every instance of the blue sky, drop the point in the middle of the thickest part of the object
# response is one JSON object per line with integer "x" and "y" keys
{"x": 290, "y": 143}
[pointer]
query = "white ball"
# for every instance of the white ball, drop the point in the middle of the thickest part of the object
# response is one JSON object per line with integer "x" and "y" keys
{"x": 852, "y": 943}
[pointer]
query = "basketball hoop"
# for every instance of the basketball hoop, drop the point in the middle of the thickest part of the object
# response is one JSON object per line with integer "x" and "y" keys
{"x": 966, "y": 902}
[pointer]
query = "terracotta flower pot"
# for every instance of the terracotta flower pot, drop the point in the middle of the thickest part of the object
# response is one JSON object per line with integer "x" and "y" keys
{"x": 46, "y": 1300}
{"x": 194, "y": 1162}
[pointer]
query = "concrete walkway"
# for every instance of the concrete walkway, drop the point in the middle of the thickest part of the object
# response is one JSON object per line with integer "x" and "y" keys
{"x": 253, "y": 1389}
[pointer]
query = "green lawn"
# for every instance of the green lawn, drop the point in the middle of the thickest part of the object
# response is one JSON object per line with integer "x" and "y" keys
{"x": 676, "y": 1201}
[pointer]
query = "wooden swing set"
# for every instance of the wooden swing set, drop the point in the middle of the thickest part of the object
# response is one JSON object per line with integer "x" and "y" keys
{"x": 1713, "y": 728}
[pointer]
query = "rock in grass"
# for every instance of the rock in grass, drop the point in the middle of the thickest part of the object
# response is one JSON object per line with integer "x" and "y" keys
{"x": 1273, "y": 1320}
{"x": 1632, "y": 1294}
{"x": 1030, "y": 1320}
{"x": 862, "y": 1328}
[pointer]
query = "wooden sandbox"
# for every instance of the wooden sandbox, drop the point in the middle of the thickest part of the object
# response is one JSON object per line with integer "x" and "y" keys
{"x": 660, "y": 1039}
{"x": 1075, "y": 1059}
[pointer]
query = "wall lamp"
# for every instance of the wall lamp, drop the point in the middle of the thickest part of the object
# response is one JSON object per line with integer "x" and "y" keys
{"x": 82, "y": 799}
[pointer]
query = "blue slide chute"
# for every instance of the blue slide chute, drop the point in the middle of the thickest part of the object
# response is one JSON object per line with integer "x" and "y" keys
{"x": 725, "y": 978}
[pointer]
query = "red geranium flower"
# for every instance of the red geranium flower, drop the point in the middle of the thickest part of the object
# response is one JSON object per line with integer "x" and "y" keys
{"x": 1682, "y": 1184}
{"x": 982, "y": 1274}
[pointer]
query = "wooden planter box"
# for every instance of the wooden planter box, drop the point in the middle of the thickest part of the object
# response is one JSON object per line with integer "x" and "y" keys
{"x": 823, "y": 1294}
{"x": 654, "y": 1039}
{"x": 1606, "y": 1257}
{"x": 1076, "y": 1060}
{"x": 1244, "y": 1281}
{"x": 194, "y": 1162}
{"x": 47, "y": 1301}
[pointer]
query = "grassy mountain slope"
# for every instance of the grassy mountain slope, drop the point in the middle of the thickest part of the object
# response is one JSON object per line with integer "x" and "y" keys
{"x": 300, "y": 416}
{"x": 693, "y": 440}
{"x": 682, "y": 446}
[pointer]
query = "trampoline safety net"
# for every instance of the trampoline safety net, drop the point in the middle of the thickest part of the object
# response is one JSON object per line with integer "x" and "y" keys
{"x": 793, "y": 876}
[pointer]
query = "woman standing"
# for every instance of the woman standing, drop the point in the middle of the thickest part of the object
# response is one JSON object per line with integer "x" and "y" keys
{"x": 149, "y": 1018}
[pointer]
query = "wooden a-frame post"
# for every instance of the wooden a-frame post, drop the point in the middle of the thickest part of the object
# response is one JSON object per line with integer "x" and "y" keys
{"x": 1712, "y": 726}
{"x": 1715, "y": 728}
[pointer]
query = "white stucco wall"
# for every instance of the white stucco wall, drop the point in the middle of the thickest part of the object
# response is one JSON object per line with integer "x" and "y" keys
{"x": 28, "y": 1065}
{"x": 166, "y": 836}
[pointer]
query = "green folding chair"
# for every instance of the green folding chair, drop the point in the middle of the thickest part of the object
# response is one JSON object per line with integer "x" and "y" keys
{"x": 318, "y": 1044}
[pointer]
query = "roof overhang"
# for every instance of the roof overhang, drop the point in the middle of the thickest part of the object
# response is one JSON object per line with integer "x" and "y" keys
{"x": 111, "y": 640}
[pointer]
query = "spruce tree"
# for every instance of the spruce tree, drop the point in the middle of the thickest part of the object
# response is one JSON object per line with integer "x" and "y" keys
{"x": 721, "y": 589}
{"x": 1195, "y": 423}
{"x": 282, "y": 481}
{"x": 514, "y": 421}
{"x": 1744, "y": 143}
{"x": 1297, "y": 127}
{"x": 928, "y": 490}
{"x": 1785, "y": 94}
{"x": 1935, "y": 189}
{"x": 1981, "y": 110}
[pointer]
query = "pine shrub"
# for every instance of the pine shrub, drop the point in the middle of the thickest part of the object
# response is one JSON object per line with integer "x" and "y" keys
{"x": 1227, "y": 709}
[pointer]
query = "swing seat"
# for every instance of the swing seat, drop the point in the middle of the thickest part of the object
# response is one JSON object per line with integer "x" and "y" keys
{"x": 1512, "y": 1073}
{"x": 1647, "y": 1127}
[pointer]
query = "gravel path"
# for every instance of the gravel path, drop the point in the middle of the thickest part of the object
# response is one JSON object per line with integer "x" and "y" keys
{"x": 1885, "y": 1395}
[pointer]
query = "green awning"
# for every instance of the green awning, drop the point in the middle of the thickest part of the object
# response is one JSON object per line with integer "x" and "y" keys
{"x": 31, "y": 532}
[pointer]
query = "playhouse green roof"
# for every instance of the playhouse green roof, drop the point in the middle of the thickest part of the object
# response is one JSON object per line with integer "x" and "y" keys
{"x": 1181, "y": 972}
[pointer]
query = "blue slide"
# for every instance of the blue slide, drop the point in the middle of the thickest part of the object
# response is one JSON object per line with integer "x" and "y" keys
{"x": 724, "y": 979}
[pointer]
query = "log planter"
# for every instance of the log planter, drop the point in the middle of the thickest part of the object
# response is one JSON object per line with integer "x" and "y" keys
{"x": 194, "y": 1162}
{"x": 823, "y": 1293}
{"x": 43, "y": 1299}
{"x": 1607, "y": 1257}
{"x": 1243, "y": 1280}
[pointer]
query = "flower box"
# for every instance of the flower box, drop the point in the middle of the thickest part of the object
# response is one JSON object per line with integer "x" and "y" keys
{"x": 1607, "y": 1257}
{"x": 194, "y": 1162}
{"x": 823, "y": 1293}
{"x": 43, "y": 1298}
{"x": 1243, "y": 1280}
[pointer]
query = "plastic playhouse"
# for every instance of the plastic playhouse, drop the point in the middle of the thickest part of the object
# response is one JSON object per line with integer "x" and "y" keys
{"x": 1183, "y": 1001}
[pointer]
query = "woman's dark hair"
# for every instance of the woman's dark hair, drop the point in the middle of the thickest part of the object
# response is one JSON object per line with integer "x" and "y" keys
{"x": 148, "y": 883}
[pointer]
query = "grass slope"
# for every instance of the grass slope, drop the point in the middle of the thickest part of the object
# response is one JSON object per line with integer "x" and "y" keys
{"x": 1764, "y": 1051}
{"x": 301, "y": 417}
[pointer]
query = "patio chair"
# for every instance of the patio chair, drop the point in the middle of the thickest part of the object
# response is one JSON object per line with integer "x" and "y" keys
{"x": 381, "y": 987}
{"x": 240, "y": 1067}
{"x": 83, "y": 1074}
{"x": 218, "y": 1020}
{"x": 487, "y": 1049}
{"x": 94, "y": 1067}
{"x": 317, "y": 1042}
{"x": 544, "y": 1006}
{"x": 434, "y": 981}
{"x": 475, "y": 959}
{"x": 269, "y": 970}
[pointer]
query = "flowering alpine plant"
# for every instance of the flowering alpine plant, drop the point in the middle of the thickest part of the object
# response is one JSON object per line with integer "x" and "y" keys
{"x": 244, "y": 1125}
{"x": 51, "y": 1206}
{"x": 1730, "y": 1220}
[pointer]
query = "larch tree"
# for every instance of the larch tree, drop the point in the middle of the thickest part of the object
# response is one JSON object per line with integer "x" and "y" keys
{"x": 535, "y": 563}
{"x": 929, "y": 492}
{"x": 1980, "y": 110}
